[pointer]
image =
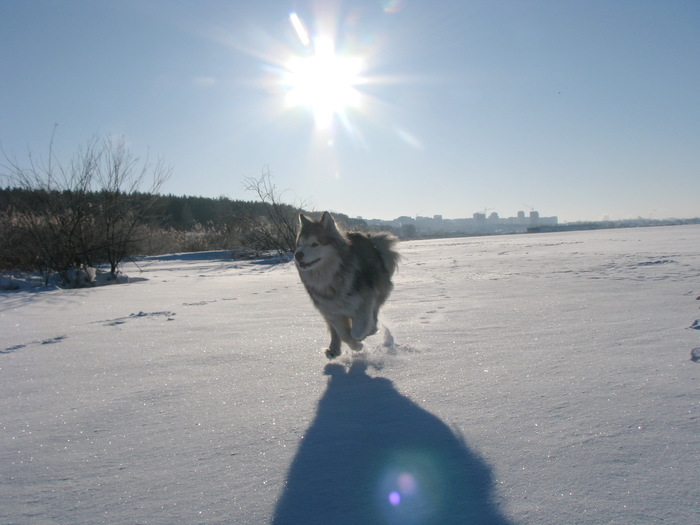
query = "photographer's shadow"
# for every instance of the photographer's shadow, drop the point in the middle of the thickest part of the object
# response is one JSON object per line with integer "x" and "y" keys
{"x": 372, "y": 456}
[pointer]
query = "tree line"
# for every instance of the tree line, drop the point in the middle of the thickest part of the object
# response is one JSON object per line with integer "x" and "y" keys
{"x": 104, "y": 207}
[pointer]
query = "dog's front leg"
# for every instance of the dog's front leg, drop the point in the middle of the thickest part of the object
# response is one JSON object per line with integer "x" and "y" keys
{"x": 333, "y": 349}
{"x": 340, "y": 329}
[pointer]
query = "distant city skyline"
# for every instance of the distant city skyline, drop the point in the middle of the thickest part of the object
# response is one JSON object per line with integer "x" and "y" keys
{"x": 478, "y": 223}
{"x": 525, "y": 212}
{"x": 532, "y": 222}
{"x": 377, "y": 108}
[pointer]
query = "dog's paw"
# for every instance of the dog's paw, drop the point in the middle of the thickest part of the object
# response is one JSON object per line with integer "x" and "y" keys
{"x": 354, "y": 345}
{"x": 359, "y": 332}
{"x": 332, "y": 353}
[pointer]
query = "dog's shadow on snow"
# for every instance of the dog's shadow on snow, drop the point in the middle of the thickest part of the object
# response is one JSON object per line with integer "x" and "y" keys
{"x": 372, "y": 456}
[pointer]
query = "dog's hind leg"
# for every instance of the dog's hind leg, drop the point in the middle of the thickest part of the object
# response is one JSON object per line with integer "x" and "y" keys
{"x": 377, "y": 304}
{"x": 375, "y": 320}
{"x": 364, "y": 322}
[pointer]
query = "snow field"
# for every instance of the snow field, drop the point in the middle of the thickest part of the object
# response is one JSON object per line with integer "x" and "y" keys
{"x": 556, "y": 369}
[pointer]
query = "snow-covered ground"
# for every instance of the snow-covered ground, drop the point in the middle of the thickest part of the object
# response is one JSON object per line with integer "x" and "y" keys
{"x": 531, "y": 379}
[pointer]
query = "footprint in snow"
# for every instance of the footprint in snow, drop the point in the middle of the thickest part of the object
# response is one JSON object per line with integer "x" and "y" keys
{"x": 50, "y": 341}
{"x": 121, "y": 320}
{"x": 54, "y": 340}
{"x": 695, "y": 355}
{"x": 167, "y": 314}
{"x": 11, "y": 349}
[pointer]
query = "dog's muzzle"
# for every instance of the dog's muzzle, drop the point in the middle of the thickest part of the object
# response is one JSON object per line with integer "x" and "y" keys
{"x": 299, "y": 256}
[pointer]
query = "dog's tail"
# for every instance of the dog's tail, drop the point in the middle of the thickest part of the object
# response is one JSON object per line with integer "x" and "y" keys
{"x": 385, "y": 243}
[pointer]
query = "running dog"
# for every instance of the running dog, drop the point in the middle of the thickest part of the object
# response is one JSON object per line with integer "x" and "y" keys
{"x": 347, "y": 276}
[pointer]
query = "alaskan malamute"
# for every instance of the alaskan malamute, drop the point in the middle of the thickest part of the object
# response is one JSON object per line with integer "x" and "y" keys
{"x": 347, "y": 275}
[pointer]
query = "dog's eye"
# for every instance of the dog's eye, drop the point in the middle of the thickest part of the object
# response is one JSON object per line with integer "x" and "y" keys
{"x": 314, "y": 244}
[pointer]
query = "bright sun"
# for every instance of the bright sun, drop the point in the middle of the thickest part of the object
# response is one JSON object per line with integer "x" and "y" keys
{"x": 323, "y": 82}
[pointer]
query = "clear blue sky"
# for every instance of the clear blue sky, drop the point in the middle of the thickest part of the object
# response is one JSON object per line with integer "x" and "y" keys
{"x": 580, "y": 109}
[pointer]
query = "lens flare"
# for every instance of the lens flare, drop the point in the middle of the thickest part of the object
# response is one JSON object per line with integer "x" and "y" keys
{"x": 407, "y": 484}
{"x": 410, "y": 488}
{"x": 392, "y": 6}
{"x": 300, "y": 29}
{"x": 325, "y": 82}
{"x": 394, "y": 498}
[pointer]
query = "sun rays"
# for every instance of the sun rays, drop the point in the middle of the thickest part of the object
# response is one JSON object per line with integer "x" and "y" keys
{"x": 324, "y": 82}
{"x": 322, "y": 75}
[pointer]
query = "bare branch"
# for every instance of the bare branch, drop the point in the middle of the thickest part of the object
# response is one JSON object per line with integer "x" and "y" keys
{"x": 277, "y": 229}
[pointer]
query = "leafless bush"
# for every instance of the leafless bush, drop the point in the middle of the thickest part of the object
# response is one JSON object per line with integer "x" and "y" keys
{"x": 277, "y": 228}
{"x": 17, "y": 249}
{"x": 153, "y": 240}
{"x": 81, "y": 213}
{"x": 121, "y": 199}
{"x": 156, "y": 241}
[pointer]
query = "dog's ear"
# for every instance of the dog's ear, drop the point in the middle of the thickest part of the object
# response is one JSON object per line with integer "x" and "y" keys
{"x": 304, "y": 220}
{"x": 327, "y": 221}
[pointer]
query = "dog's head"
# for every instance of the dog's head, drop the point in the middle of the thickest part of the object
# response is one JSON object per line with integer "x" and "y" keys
{"x": 317, "y": 242}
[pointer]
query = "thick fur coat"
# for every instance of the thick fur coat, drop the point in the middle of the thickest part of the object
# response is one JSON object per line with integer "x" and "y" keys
{"x": 348, "y": 277}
